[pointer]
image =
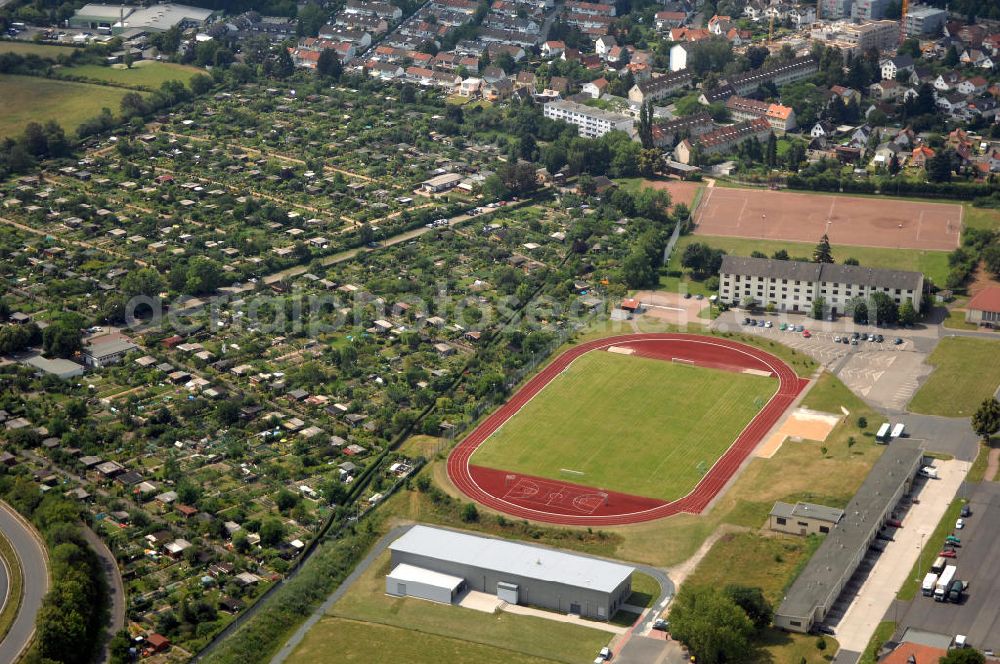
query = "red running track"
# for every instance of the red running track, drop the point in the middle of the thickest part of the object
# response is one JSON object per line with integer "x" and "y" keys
{"x": 553, "y": 501}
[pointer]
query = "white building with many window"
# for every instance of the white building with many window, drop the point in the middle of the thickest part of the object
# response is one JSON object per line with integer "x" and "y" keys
{"x": 592, "y": 122}
{"x": 794, "y": 285}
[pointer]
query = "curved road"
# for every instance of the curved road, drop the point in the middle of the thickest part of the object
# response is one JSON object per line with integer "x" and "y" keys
{"x": 34, "y": 565}
{"x": 705, "y": 351}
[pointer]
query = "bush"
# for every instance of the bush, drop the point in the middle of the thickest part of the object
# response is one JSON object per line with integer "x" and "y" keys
{"x": 469, "y": 513}
{"x": 862, "y": 422}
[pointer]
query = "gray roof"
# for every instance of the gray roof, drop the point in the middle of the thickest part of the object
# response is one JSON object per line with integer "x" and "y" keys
{"x": 106, "y": 347}
{"x": 513, "y": 558}
{"x": 807, "y": 511}
{"x": 837, "y": 557}
{"x": 829, "y": 272}
{"x": 57, "y": 366}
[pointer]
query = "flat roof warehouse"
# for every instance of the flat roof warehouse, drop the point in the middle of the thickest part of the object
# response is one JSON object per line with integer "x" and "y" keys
{"x": 512, "y": 558}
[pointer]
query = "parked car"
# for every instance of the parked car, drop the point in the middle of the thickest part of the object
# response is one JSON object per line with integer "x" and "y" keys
{"x": 783, "y": 327}
{"x": 836, "y": 340}
{"x": 966, "y": 511}
{"x": 687, "y": 296}
{"x": 806, "y": 334}
{"x": 895, "y": 523}
{"x": 845, "y": 341}
{"x": 768, "y": 324}
{"x": 897, "y": 341}
{"x": 746, "y": 321}
{"x": 661, "y": 625}
{"x": 605, "y": 654}
{"x": 959, "y": 524}
{"x": 760, "y": 323}
{"x": 879, "y": 338}
{"x": 753, "y": 322}
{"x": 854, "y": 342}
{"x": 948, "y": 553}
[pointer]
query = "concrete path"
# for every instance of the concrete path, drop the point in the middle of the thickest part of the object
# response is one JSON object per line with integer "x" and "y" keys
{"x": 894, "y": 565}
{"x": 34, "y": 566}
{"x": 564, "y": 618}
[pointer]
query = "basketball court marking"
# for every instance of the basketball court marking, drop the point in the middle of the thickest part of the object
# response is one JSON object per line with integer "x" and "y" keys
{"x": 552, "y": 494}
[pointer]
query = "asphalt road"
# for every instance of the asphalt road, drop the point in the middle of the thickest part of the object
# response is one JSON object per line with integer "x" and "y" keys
{"x": 116, "y": 589}
{"x": 36, "y": 582}
{"x": 978, "y": 563}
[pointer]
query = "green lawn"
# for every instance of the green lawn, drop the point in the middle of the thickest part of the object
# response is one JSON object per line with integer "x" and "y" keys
{"x": 934, "y": 264}
{"x": 631, "y": 424}
{"x": 143, "y": 74}
{"x": 31, "y": 99}
{"x": 983, "y": 218}
{"x": 505, "y": 634}
{"x": 30, "y": 48}
{"x": 371, "y": 643}
{"x": 966, "y": 371}
{"x": 16, "y": 582}
{"x": 645, "y": 590}
{"x": 882, "y": 634}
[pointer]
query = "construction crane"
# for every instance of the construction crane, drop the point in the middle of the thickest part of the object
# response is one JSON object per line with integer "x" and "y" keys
{"x": 902, "y": 21}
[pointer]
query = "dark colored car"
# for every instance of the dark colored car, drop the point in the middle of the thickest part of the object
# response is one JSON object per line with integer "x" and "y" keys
{"x": 966, "y": 512}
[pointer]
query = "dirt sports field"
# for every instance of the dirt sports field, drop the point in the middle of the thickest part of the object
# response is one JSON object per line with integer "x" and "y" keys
{"x": 680, "y": 191}
{"x": 558, "y": 501}
{"x": 850, "y": 221}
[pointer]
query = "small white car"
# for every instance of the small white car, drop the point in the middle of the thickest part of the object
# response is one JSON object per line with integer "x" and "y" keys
{"x": 960, "y": 524}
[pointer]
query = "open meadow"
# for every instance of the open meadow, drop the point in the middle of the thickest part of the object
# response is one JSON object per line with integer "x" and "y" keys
{"x": 32, "y": 99}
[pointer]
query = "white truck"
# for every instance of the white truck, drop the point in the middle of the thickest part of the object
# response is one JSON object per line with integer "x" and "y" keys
{"x": 898, "y": 430}
{"x": 883, "y": 433}
{"x": 929, "y": 472}
{"x": 929, "y": 584}
{"x": 944, "y": 583}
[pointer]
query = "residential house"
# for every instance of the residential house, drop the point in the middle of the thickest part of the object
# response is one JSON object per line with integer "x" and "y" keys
{"x": 595, "y": 88}
{"x": 781, "y": 118}
{"x": 553, "y": 49}
{"x": 659, "y": 87}
{"x": 604, "y": 44}
{"x": 892, "y": 66}
{"x": 721, "y": 140}
{"x": 920, "y": 156}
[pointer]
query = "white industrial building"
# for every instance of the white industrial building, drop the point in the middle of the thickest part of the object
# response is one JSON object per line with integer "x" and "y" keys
{"x": 439, "y": 565}
{"x": 592, "y": 122}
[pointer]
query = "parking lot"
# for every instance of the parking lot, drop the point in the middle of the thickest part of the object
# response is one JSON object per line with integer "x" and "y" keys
{"x": 978, "y": 615}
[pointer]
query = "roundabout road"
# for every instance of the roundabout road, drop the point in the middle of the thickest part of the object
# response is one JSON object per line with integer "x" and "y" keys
{"x": 34, "y": 566}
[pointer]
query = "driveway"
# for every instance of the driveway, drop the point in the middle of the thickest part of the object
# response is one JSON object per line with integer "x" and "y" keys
{"x": 34, "y": 566}
{"x": 885, "y": 380}
{"x": 892, "y": 567}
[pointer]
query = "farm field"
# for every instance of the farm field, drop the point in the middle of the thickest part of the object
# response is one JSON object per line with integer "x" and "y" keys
{"x": 966, "y": 371}
{"x": 640, "y": 426}
{"x": 31, "y": 99}
{"x": 538, "y": 639}
{"x": 934, "y": 264}
{"x": 30, "y": 48}
{"x": 143, "y": 74}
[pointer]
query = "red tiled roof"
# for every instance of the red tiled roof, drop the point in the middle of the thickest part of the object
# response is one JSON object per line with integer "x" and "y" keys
{"x": 921, "y": 653}
{"x": 986, "y": 300}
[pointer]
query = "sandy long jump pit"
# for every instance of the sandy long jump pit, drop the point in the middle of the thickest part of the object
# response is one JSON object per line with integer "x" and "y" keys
{"x": 801, "y": 424}
{"x": 847, "y": 220}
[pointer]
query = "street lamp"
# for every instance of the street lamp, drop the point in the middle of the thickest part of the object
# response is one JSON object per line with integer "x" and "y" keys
{"x": 920, "y": 561}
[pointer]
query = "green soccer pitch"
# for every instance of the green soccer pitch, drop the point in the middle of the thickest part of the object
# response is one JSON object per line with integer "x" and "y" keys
{"x": 629, "y": 424}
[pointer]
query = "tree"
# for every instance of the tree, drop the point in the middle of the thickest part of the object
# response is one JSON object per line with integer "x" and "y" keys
{"x": 200, "y": 84}
{"x": 284, "y": 67}
{"x": 286, "y": 500}
{"x": 469, "y": 513}
{"x": 646, "y": 125}
{"x": 986, "y": 419}
{"x": 885, "y": 309}
{"x": 711, "y": 624}
{"x": 951, "y": 57}
{"x": 818, "y": 309}
{"x": 851, "y": 261}
{"x": 860, "y": 313}
{"x": 61, "y": 339}
{"x": 203, "y": 276}
{"x": 771, "y": 151}
{"x": 145, "y": 281}
{"x": 907, "y": 314}
{"x": 702, "y": 260}
{"x": 780, "y": 255}
{"x": 822, "y": 253}
{"x": 753, "y": 603}
{"x": 272, "y": 530}
{"x": 939, "y": 167}
{"x": 963, "y": 655}
{"x": 894, "y": 166}
{"x": 328, "y": 65}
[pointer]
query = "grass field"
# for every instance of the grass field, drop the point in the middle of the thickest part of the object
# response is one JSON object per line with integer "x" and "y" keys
{"x": 537, "y": 639}
{"x": 29, "y": 48}
{"x": 30, "y": 99}
{"x": 754, "y": 560}
{"x": 146, "y": 74}
{"x": 352, "y": 641}
{"x": 630, "y": 424}
{"x": 966, "y": 371}
{"x": 934, "y": 264}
